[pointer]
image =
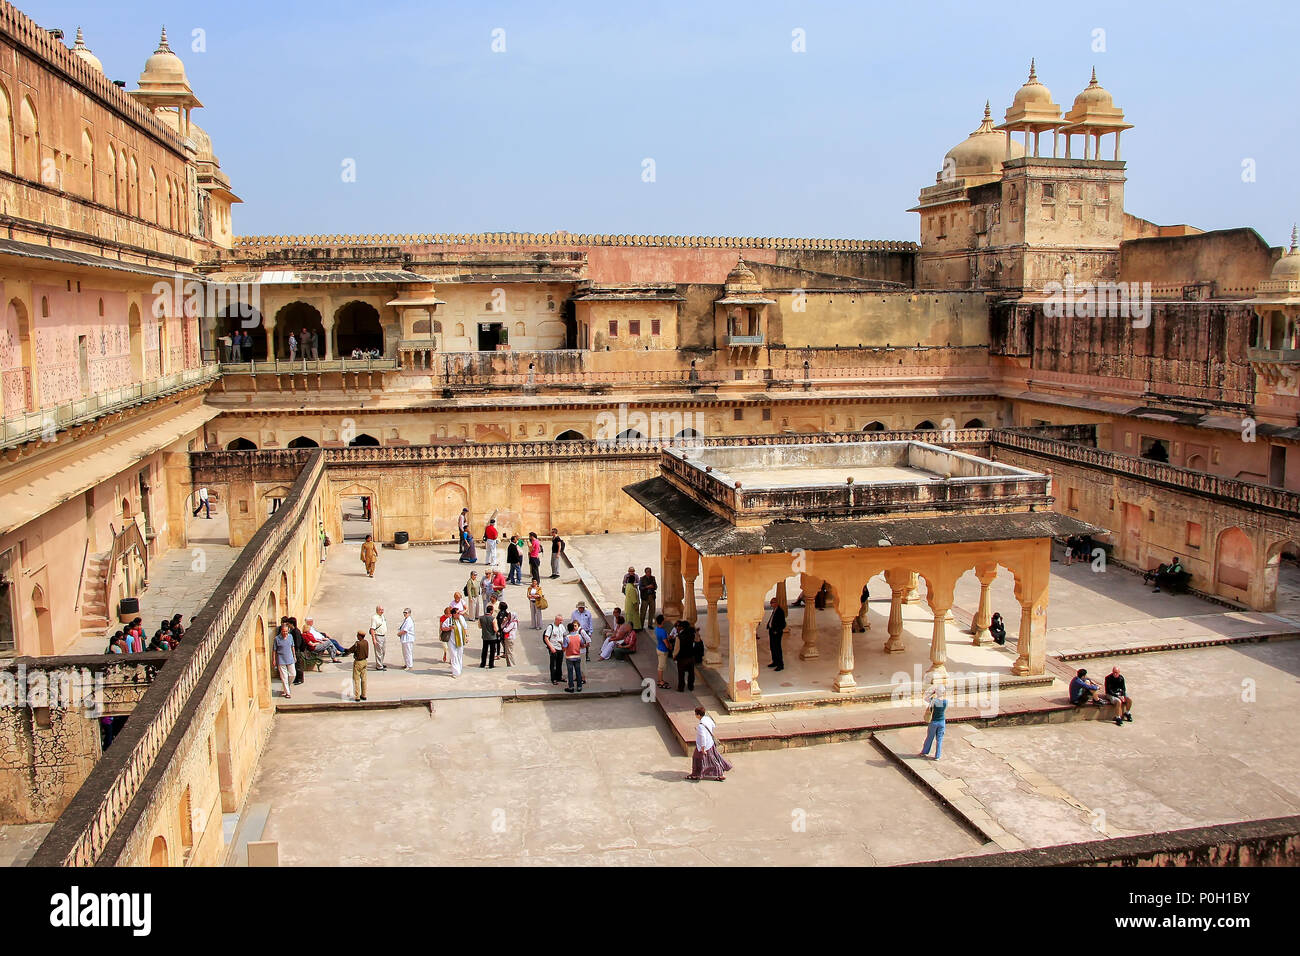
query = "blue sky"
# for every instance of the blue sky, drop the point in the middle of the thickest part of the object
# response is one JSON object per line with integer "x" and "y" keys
{"x": 747, "y": 136}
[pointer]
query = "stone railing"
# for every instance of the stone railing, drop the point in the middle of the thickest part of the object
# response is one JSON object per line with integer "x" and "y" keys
{"x": 646, "y": 448}
{"x": 101, "y": 816}
{"x": 29, "y": 426}
{"x": 309, "y": 366}
{"x": 1231, "y": 490}
{"x": 245, "y": 243}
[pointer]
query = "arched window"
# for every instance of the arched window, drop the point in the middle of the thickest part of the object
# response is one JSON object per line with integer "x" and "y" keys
{"x": 241, "y": 444}
{"x": 133, "y": 187}
{"x": 6, "y": 131}
{"x": 874, "y": 427}
{"x": 366, "y": 440}
{"x": 302, "y": 441}
{"x": 357, "y": 328}
{"x": 88, "y": 160}
{"x": 29, "y": 133}
{"x": 26, "y": 353}
{"x": 571, "y": 435}
{"x": 158, "y": 852}
{"x": 151, "y": 200}
{"x": 630, "y": 434}
{"x": 926, "y": 425}
{"x": 974, "y": 423}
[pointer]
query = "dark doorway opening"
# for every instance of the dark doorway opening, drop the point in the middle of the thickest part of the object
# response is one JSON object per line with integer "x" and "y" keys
{"x": 490, "y": 335}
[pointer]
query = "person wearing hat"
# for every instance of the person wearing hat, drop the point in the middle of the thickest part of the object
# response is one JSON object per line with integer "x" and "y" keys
{"x": 406, "y": 635}
{"x": 583, "y": 617}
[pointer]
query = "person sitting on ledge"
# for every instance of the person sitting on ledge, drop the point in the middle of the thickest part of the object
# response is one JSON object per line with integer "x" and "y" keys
{"x": 1084, "y": 691}
{"x": 321, "y": 643}
{"x": 998, "y": 629}
{"x": 621, "y": 635}
{"x": 116, "y": 644}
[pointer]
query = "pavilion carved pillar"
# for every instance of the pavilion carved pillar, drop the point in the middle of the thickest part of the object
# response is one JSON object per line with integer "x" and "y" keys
{"x": 327, "y": 325}
{"x": 690, "y": 571}
{"x": 1031, "y": 592}
{"x": 939, "y": 595}
{"x": 913, "y": 588}
{"x": 269, "y": 325}
{"x": 844, "y": 678}
{"x": 712, "y": 593}
{"x": 984, "y": 616}
{"x": 670, "y": 571}
{"x": 898, "y": 586}
{"x": 745, "y": 592}
{"x": 811, "y": 586}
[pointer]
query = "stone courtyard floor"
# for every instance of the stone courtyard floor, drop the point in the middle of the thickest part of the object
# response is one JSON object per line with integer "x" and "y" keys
{"x": 482, "y": 774}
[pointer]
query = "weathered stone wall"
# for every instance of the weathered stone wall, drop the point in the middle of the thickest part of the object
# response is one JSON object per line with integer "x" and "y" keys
{"x": 1234, "y": 260}
{"x": 49, "y": 726}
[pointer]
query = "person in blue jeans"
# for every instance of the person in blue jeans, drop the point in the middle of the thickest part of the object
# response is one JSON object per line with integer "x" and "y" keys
{"x": 937, "y": 699}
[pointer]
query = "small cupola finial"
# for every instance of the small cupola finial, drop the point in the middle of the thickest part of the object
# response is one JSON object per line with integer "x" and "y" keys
{"x": 1033, "y": 71}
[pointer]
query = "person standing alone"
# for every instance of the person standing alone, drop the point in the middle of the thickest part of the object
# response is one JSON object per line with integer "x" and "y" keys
{"x": 557, "y": 549}
{"x": 406, "y": 634}
{"x": 284, "y": 659}
{"x": 490, "y": 535}
{"x": 369, "y": 555}
{"x": 649, "y": 588}
{"x": 775, "y": 630}
{"x": 379, "y": 635}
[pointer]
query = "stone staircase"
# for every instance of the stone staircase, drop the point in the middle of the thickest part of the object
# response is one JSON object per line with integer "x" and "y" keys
{"x": 94, "y": 596}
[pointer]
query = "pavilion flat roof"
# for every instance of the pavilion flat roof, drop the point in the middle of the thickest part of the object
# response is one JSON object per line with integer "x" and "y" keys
{"x": 714, "y": 535}
{"x": 751, "y": 483}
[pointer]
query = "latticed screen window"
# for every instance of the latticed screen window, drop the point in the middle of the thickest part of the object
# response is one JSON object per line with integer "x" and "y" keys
{"x": 634, "y": 327}
{"x": 613, "y": 328}
{"x": 654, "y": 326}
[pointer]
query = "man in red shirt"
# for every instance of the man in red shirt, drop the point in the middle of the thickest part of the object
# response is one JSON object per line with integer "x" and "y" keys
{"x": 574, "y": 642}
{"x": 490, "y": 539}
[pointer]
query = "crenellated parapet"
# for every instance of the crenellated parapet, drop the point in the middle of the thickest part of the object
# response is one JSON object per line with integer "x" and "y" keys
{"x": 250, "y": 243}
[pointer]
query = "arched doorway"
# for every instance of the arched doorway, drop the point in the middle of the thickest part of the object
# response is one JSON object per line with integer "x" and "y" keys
{"x": 448, "y": 500}
{"x": 136, "y": 342}
{"x": 358, "y": 507}
{"x": 242, "y": 317}
{"x": 630, "y": 434}
{"x": 293, "y": 318}
{"x": 364, "y": 440}
{"x": 975, "y": 423}
{"x": 158, "y": 852}
{"x": 357, "y": 328}
{"x": 1234, "y": 561}
{"x": 302, "y": 441}
{"x": 1281, "y": 587}
{"x": 874, "y": 427}
{"x": 19, "y": 321}
{"x": 926, "y": 425}
{"x": 241, "y": 444}
{"x": 571, "y": 435}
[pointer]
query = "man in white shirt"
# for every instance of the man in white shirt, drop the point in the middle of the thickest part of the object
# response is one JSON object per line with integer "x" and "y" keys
{"x": 583, "y": 617}
{"x": 379, "y": 637}
{"x": 319, "y": 641}
{"x": 203, "y": 504}
{"x": 406, "y": 634}
{"x": 462, "y": 522}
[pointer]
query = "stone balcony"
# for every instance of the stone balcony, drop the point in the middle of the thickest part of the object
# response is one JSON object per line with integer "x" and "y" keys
{"x": 25, "y": 426}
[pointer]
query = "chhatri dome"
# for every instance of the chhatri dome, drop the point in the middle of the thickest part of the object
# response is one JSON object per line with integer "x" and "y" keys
{"x": 82, "y": 52}
{"x": 1033, "y": 96}
{"x": 981, "y": 153}
{"x": 164, "y": 73}
{"x": 742, "y": 279}
{"x": 1288, "y": 267}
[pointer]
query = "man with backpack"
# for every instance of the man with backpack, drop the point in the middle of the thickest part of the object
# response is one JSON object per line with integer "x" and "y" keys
{"x": 553, "y": 637}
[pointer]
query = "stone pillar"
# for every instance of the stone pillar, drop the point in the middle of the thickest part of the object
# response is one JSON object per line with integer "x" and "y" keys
{"x": 690, "y": 571}
{"x": 1031, "y": 592}
{"x": 980, "y": 626}
{"x": 670, "y": 572}
{"x": 269, "y": 325}
{"x": 742, "y": 657}
{"x": 327, "y": 326}
{"x": 808, "y": 631}
{"x": 712, "y": 654}
{"x": 913, "y": 588}
{"x": 844, "y": 679}
{"x": 939, "y": 594}
{"x": 898, "y": 587}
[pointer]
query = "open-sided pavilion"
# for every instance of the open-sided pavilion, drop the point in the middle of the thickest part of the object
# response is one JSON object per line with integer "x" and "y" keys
{"x": 748, "y": 518}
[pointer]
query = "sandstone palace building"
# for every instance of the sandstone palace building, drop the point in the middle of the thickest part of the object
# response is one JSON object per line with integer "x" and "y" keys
{"x": 1153, "y": 371}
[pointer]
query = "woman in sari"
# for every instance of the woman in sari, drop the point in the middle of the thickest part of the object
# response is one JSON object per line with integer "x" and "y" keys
{"x": 632, "y": 605}
{"x": 456, "y": 646}
{"x": 708, "y": 763}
